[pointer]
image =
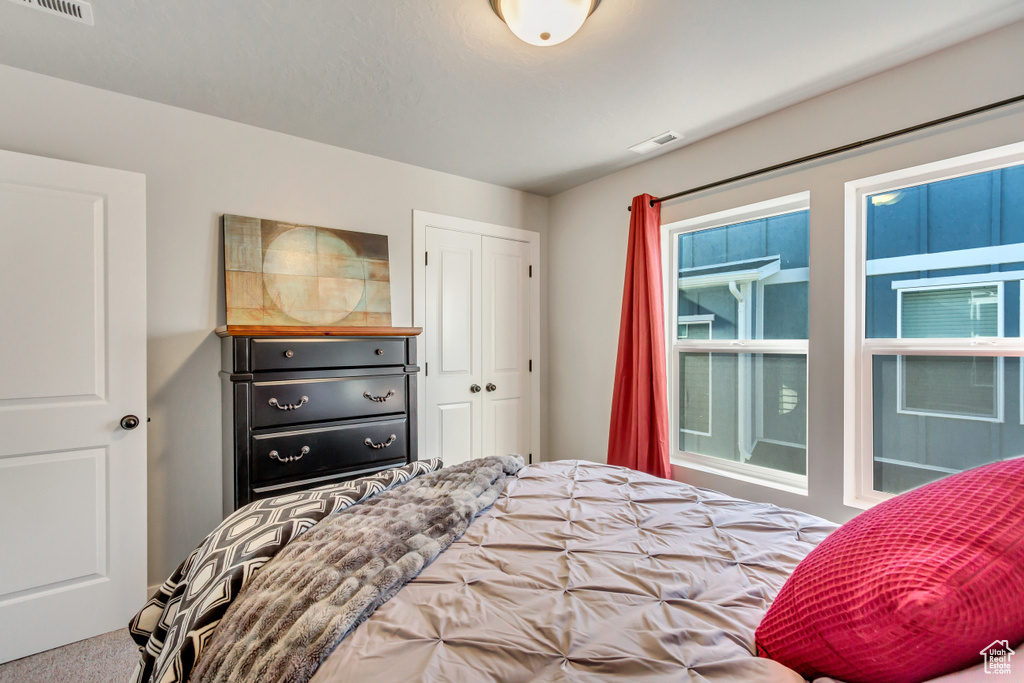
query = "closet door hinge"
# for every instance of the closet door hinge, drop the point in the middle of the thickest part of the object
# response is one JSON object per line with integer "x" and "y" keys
{"x": 531, "y": 365}
{"x": 531, "y": 271}
{"x": 530, "y": 461}
{"x": 426, "y": 258}
{"x": 426, "y": 369}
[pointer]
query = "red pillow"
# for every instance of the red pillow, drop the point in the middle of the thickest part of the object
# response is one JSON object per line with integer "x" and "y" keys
{"x": 914, "y": 588}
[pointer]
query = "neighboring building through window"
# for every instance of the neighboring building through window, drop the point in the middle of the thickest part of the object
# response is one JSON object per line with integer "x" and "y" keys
{"x": 936, "y": 261}
{"x": 737, "y": 297}
{"x": 966, "y": 388}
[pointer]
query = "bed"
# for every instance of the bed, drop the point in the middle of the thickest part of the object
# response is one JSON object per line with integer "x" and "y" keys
{"x": 579, "y": 572}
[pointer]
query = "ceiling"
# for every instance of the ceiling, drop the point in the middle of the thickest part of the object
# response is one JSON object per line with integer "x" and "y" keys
{"x": 444, "y": 84}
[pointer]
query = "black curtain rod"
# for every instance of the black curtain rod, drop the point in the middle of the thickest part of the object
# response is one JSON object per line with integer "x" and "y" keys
{"x": 839, "y": 150}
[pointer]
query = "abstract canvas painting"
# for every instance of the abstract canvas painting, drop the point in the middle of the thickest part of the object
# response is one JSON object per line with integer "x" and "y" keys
{"x": 278, "y": 273}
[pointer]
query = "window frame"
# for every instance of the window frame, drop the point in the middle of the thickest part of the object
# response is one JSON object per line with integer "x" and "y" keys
{"x": 858, "y": 433}
{"x": 964, "y": 282}
{"x": 754, "y": 474}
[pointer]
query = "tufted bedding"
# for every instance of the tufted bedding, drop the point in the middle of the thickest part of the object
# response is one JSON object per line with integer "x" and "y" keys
{"x": 583, "y": 572}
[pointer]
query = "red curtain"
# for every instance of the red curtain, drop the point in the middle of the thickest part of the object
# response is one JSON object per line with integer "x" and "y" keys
{"x": 638, "y": 437}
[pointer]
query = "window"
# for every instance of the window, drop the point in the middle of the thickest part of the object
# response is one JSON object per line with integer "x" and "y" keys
{"x": 935, "y": 262}
{"x": 737, "y": 294}
{"x": 966, "y": 388}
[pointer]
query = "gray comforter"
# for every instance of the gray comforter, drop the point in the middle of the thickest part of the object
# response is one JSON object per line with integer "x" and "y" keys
{"x": 585, "y": 572}
{"x": 310, "y": 596}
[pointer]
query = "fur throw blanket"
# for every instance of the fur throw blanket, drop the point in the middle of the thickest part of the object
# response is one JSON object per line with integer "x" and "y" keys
{"x": 325, "y": 583}
{"x": 174, "y": 627}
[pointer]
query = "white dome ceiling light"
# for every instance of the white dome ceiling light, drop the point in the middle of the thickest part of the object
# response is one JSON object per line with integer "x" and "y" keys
{"x": 544, "y": 22}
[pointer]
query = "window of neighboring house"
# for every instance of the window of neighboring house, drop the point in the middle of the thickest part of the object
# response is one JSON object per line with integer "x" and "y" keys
{"x": 737, "y": 297}
{"x": 935, "y": 264}
{"x": 966, "y": 388}
{"x": 695, "y": 378}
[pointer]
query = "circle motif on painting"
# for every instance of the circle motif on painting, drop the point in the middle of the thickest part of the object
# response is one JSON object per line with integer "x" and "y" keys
{"x": 313, "y": 275}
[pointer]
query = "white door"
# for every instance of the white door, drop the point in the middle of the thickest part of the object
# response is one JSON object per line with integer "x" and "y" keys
{"x": 477, "y": 397}
{"x": 506, "y": 343}
{"x": 451, "y": 421}
{"x": 73, "y": 344}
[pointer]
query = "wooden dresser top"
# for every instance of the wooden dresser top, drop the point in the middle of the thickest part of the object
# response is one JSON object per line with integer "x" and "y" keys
{"x": 283, "y": 331}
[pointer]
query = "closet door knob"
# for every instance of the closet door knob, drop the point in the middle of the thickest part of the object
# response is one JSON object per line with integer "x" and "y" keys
{"x": 129, "y": 422}
{"x": 491, "y": 387}
{"x": 475, "y": 388}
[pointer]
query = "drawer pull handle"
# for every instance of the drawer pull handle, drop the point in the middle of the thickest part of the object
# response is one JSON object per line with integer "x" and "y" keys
{"x": 379, "y": 399}
{"x": 391, "y": 439}
{"x": 380, "y": 352}
{"x": 274, "y": 455}
{"x": 289, "y": 406}
{"x": 289, "y": 353}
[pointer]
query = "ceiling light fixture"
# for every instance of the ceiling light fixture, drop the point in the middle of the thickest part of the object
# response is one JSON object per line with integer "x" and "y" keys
{"x": 544, "y": 22}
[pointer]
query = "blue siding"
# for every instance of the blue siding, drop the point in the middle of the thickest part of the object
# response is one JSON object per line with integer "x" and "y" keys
{"x": 881, "y": 305}
{"x": 982, "y": 210}
{"x": 779, "y": 303}
{"x": 709, "y": 247}
{"x": 785, "y": 235}
{"x": 1012, "y": 205}
{"x": 789, "y": 236}
{"x": 895, "y": 229}
{"x": 745, "y": 240}
{"x": 960, "y": 213}
{"x": 1011, "y": 304}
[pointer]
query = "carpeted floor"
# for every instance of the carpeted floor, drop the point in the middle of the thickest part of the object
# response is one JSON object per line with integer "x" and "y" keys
{"x": 109, "y": 658}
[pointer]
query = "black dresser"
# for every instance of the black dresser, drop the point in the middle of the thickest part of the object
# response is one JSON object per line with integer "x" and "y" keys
{"x": 304, "y": 411}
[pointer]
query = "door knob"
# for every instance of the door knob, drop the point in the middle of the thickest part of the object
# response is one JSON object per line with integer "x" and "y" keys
{"x": 475, "y": 388}
{"x": 129, "y": 422}
{"x": 491, "y": 387}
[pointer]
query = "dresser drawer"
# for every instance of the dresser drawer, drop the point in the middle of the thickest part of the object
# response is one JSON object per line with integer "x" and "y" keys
{"x": 315, "y": 400}
{"x": 303, "y": 354}
{"x": 312, "y": 452}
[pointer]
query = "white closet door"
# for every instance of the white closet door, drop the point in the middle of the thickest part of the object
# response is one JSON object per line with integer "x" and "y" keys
{"x": 506, "y": 347}
{"x": 451, "y": 418}
{"x": 73, "y": 344}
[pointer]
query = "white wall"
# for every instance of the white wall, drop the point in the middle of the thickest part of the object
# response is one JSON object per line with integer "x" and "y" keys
{"x": 198, "y": 167}
{"x": 589, "y": 226}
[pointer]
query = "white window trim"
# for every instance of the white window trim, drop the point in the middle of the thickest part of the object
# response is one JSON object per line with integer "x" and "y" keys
{"x": 858, "y": 438}
{"x": 964, "y": 282}
{"x": 785, "y": 481}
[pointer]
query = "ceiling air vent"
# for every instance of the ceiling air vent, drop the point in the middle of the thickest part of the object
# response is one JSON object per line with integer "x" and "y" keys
{"x": 656, "y": 142}
{"x": 77, "y": 10}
